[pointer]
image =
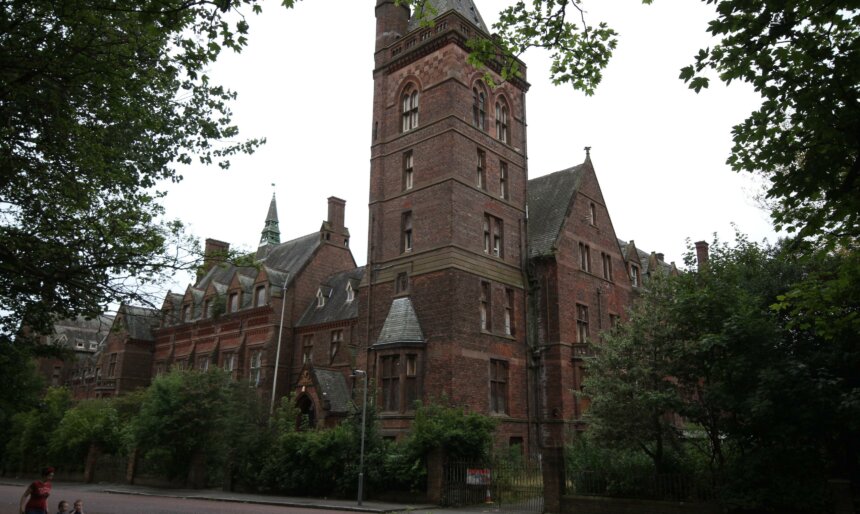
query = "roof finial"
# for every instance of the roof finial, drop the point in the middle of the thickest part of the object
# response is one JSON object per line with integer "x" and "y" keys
{"x": 271, "y": 234}
{"x": 588, "y": 152}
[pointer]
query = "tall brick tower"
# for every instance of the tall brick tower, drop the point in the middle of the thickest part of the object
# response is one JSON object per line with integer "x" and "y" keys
{"x": 442, "y": 310}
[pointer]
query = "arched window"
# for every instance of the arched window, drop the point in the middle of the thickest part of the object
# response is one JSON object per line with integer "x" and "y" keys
{"x": 409, "y": 108}
{"x": 502, "y": 131}
{"x": 479, "y": 114}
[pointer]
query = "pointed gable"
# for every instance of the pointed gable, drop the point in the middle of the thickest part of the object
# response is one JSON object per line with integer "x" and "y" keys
{"x": 549, "y": 202}
{"x": 401, "y": 325}
{"x": 293, "y": 255}
{"x": 139, "y": 321}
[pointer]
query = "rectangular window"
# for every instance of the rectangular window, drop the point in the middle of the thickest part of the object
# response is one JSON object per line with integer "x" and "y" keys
{"x": 390, "y": 382}
{"x": 497, "y": 237}
{"x": 402, "y": 283}
{"x": 494, "y": 239}
{"x": 230, "y": 362}
{"x": 509, "y": 312}
{"x": 207, "y": 305}
{"x": 485, "y": 306}
{"x": 336, "y": 340}
{"x": 581, "y": 323}
{"x": 407, "y": 170}
{"x": 186, "y": 312}
{"x": 607, "y": 265}
{"x": 307, "y": 348}
{"x": 411, "y": 390}
{"x": 112, "y": 366}
{"x": 592, "y": 214}
{"x": 614, "y": 320}
{"x": 498, "y": 386}
{"x": 406, "y": 228}
{"x": 203, "y": 363}
{"x": 487, "y": 236}
{"x": 503, "y": 180}
{"x": 255, "y": 368}
{"x": 584, "y": 257}
{"x": 634, "y": 275}
{"x": 260, "y": 297}
{"x": 234, "y": 302}
{"x": 481, "y": 172}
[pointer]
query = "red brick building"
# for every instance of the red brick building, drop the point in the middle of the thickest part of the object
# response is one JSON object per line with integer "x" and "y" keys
{"x": 481, "y": 286}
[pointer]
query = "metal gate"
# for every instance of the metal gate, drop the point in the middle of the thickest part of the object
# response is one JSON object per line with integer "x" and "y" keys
{"x": 514, "y": 487}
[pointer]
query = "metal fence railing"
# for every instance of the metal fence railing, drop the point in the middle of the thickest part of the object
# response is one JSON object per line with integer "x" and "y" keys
{"x": 676, "y": 487}
{"x": 514, "y": 487}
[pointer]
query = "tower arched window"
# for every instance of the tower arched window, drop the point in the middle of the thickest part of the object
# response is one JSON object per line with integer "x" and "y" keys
{"x": 409, "y": 109}
{"x": 502, "y": 129}
{"x": 479, "y": 114}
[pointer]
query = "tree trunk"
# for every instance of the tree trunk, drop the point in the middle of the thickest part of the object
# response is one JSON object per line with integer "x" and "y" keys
{"x": 90, "y": 466}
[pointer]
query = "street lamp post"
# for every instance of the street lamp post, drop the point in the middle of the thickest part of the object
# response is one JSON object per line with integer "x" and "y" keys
{"x": 280, "y": 335}
{"x": 355, "y": 373}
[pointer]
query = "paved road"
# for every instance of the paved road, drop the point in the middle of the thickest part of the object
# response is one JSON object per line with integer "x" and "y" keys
{"x": 108, "y": 503}
{"x": 122, "y": 499}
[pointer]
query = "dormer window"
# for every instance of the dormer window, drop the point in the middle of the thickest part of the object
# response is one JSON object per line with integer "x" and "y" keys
{"x": 320, "y": 298}
{"x": 186, "y": 312}
{"x": 634, "y": 275}
{"x": 350, "y": 293}
{"x": 234, "y": 302}
{"x": 260, "y": 296}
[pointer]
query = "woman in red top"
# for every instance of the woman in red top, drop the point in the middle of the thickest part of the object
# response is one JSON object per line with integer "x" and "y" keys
{"x": 38, "y": 492}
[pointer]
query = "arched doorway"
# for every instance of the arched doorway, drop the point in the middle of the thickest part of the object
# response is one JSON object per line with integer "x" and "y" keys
{"x": 307, "y": 417}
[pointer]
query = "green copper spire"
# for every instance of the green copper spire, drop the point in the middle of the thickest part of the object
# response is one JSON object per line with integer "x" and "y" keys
{"x": 271, "y": 233}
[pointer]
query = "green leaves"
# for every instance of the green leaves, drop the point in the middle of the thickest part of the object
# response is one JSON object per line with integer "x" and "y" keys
{"x": 803, "y": 57}
{"x": 579, "y": 51}
{"x": 94, "y": 116}
{"x": 734, "y": 349}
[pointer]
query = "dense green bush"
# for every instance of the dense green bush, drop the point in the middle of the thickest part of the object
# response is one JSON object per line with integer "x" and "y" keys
{"x": 28, "y": 447}
{"x": 87, "y": 424}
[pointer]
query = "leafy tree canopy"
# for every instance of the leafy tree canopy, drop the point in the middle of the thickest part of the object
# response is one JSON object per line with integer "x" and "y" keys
{"x": 99, "y": 100}
{"x": 802, "y": 56}
{"x": 737, "y": 350}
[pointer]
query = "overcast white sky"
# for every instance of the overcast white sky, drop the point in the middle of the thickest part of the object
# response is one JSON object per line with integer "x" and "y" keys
{"x": 305, "y": 83}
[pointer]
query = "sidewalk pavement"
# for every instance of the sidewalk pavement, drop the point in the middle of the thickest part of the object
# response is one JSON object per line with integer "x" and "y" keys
{"x": 285, "y": 501}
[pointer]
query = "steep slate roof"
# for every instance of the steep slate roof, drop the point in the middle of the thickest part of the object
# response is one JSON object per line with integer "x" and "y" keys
{"x": 140, "y": 322}
{"x": 401, "y": 325}
{"x": 465, "y": 7}
{"x": 83, "y": 330}
{"x": 293, "y": 255}
{"x": 548, "y": 203}
{"x": 336, "y": 306}
{"x": 333, "y": 388}
{"x": 290, "y": 256}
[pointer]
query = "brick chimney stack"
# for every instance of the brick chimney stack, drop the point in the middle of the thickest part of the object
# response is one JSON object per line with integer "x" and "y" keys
{"x": 702, "y": 254}
{"x": 214, "y": 253}
{"x": 391, "y": 22}
{"x": 336, "y": 208}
